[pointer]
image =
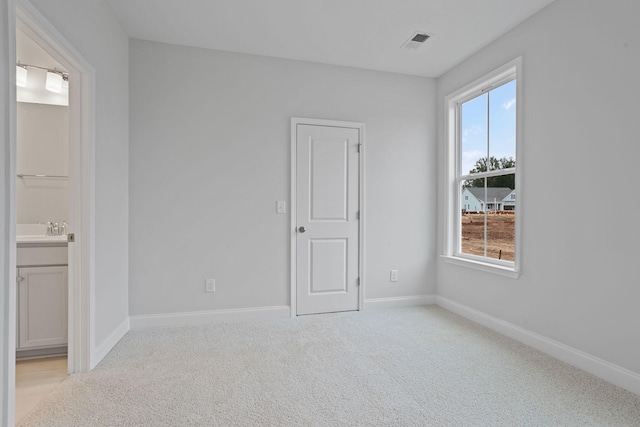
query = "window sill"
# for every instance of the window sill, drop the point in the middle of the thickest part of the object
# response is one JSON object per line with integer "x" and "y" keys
{"x": 483, "y": 266}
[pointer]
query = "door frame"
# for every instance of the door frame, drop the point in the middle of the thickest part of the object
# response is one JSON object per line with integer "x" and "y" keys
{"x": 81, "y": 348}
{"x": 81, "y": 179}
{"x": 295, "y": 121}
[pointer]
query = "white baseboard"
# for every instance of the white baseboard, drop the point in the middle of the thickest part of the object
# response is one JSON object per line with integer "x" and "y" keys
{"x": 600, "y": 368}
{"x": 107, "y": 345}
{"x": 399, "y": 301}
{"x": 213, "y": 316}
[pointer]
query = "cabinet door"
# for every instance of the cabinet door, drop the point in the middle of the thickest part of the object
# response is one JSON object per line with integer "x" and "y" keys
{"x": 42, "y": 308}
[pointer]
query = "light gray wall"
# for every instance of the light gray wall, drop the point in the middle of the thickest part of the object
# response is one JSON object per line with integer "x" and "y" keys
{"x": 210, "y": 143}
{"x": 93, "y": 30}
{"x": 42, "y": 140}
{"x": 579, "y": 282}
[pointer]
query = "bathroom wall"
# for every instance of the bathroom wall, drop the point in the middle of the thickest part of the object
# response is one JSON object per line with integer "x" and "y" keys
{"x": 42, "y": 149}
{"x": 28, "y": 52}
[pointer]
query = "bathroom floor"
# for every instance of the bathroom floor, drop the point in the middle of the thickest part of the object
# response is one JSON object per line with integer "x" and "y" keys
{"x": 35, "y": 379}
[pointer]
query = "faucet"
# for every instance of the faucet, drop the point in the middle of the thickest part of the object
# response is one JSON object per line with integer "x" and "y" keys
{"x": 55, "y": 229}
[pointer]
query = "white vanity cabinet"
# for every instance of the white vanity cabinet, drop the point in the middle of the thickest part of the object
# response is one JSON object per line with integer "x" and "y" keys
{"x": 42, "y": 307}
{"x": 42, "y": 298}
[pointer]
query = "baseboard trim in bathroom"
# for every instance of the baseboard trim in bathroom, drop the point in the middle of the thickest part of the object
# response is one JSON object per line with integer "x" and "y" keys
{"x": 41, "y": 352}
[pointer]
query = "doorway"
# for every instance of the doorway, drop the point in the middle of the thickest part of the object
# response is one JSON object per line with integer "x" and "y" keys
{"x": 327, "y": 216}
{"x": 80, "y": 324}
{"x": 42, "y": 204}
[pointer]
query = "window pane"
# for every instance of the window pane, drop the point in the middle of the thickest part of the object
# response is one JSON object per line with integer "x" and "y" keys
{"x": 473, "y": 132}
{"x": 472, "y": 218}
{"x": 485, "y": 141}
{"x": 487, "y": 220}
{"x": 501, "y": 216}
{"x": 502, "y": 124}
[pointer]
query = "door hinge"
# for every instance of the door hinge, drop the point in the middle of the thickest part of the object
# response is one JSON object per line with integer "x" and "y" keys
{"x": 358, "y": 215}
{"x": 359, "y": 147}
{"x": 358, "y": 283}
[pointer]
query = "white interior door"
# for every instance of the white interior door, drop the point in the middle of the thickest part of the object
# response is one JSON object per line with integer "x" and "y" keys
{"x": 327, "y": 229}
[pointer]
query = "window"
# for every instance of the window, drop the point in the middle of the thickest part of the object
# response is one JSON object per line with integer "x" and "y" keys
{"x": 483, "y": 146}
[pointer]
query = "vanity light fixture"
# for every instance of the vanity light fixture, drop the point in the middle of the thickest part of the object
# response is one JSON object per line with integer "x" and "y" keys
{"x": 56, "y": 81}
{"x": 21, "y": 75}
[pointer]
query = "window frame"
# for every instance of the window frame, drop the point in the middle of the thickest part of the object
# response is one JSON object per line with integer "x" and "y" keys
{"x": 453, "y": 205}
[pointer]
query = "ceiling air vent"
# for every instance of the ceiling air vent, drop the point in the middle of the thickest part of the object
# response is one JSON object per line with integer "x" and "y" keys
{"x": 416, "y": 40}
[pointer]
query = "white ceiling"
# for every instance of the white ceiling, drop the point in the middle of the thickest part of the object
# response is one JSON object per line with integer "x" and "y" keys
{"x": 356, "y": 33}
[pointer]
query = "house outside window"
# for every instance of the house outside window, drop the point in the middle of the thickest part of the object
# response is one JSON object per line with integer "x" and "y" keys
{"x": 483, "y": 156}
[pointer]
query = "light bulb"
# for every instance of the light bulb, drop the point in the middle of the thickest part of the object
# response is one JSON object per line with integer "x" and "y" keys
{"x": 54, "y": 82}
{"x": 21, "y": 76}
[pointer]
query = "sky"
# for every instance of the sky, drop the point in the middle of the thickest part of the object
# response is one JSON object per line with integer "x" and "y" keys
{"x": 502, "y": 126}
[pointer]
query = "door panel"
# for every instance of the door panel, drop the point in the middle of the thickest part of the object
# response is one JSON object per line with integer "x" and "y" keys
{"x": 328, "y": 266}
{"x": 329, "y": 184}
{"x": 327, "y": 174}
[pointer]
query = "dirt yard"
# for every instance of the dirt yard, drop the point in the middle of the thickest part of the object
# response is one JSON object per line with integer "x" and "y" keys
{"x": 500, "y": 235}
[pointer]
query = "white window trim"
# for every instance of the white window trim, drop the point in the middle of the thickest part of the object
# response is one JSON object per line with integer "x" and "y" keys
{"x": 452, "y": 203}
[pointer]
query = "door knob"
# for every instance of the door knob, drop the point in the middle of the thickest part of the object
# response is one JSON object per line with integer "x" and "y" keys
{"x": 301, "y": 229}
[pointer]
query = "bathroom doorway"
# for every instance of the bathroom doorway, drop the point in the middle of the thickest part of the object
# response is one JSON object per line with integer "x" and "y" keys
{"x": 72, "y": 69}
{"x": 42, "y": 205}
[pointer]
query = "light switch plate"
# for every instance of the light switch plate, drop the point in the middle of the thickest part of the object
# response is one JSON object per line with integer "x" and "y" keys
{"x": 210, "y": 285}
{"x": 393, "y": 276}
{"x": 281, "y": 206}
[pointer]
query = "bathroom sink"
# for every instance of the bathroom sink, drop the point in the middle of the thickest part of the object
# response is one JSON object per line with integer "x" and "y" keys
{"x": 36, "y": 233}
{"x": 39, "y": 239}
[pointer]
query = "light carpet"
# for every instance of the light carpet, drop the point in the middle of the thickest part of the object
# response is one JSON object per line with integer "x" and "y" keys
{"x": 418, "y": 366}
